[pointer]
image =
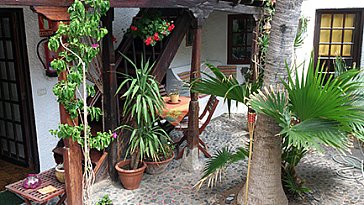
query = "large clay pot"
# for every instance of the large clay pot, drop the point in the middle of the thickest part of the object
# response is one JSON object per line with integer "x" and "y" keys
{"x": 158, "y": 167}
{"x": 60, "y": 173}
{"x": 130, "y": 179}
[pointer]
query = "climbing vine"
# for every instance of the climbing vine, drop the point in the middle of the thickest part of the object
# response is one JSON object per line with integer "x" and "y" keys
{"x": 72, "y": 41}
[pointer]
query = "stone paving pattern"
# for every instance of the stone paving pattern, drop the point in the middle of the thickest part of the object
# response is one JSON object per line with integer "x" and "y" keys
{"x": 175, "y": 185}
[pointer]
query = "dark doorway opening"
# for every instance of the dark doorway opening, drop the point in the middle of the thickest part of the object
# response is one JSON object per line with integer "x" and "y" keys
{"x": 18, "y": 143}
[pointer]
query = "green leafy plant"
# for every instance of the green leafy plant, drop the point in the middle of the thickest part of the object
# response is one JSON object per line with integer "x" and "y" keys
{"x": 105, "y": 200}
{"x": 74, "y": 56}
{"x": 151, "y": 28}
{"x": 142, "y": 102}
{"x": 312, "y": 111}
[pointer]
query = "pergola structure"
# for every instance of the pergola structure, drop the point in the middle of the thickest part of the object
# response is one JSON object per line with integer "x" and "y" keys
{"x": 200, "y": 10}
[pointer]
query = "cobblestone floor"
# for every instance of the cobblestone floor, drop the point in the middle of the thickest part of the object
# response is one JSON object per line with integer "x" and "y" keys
{"x": 175, "y": 185}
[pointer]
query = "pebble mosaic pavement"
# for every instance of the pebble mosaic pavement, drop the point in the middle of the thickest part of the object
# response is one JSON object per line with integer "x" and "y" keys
{"x": 175, "y": 185}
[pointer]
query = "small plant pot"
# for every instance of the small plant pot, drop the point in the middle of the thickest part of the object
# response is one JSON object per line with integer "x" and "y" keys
{"x": 174, "y": 98}
{"x": 130, "y": 179}
{"x": 60, "y": 173}
{"x": 155, "y": 168}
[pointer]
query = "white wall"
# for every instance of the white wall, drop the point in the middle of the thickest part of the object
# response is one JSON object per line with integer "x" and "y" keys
{"x": 309, "y": 8}
{"x": 122, "y": 20}
{"x": 46, "y": 109}
{"x": 214, "y": 42}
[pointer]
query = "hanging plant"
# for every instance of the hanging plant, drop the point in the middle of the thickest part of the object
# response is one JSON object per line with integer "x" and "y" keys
{"x": 151, "y": 28}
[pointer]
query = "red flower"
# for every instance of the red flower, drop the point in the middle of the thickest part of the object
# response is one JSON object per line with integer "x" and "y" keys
{"x": 148, "y": 41}
{"x": 171, "y": 27}
{"x": 156, "y": 36}
{"x": 133, "y": 28}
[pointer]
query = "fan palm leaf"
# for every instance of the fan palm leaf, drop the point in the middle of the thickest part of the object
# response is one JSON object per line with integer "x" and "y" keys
{"x": 327, "y": 107}
{"x": 214, "y": 167}
{"x": 220, "y": 85}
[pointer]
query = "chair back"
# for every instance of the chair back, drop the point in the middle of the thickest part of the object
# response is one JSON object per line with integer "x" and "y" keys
{"x": 208, "y": 112}
{"x": 162, "y": 90}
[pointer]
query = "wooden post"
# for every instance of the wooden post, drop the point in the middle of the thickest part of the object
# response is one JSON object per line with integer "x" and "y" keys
{"x": 193, "y": 129}
{"x": 72, "y": 159}
{"x": 109, "y": 100}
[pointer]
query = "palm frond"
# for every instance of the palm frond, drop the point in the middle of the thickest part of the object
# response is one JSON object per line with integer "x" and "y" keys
{"x": 220, "y": 85}
{"x": 271, "y": 102}
{"x": 216, "y": 165}
{"x": 326, "y": 107}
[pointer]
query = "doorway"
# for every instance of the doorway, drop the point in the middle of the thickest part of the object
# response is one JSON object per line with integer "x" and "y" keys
{"x": 18, "y": 144}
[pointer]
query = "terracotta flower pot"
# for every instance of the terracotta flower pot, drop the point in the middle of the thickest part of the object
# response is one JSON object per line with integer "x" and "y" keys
{"x": 130, "y": 179}
{"x": 158, "y": 167}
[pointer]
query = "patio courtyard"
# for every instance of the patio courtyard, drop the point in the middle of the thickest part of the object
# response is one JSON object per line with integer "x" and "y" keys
{"x": 175, "y": 185}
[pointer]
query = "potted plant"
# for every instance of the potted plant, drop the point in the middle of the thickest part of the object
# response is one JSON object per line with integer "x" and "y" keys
{"x": 141, "y": 103}
{"x": 165, "y": 156}
{"x": 174, "y": 96}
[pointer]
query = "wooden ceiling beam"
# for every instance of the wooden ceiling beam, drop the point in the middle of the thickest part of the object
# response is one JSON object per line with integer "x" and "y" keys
{"x": 36, "y": 2}
{"x": 201, "y": 4}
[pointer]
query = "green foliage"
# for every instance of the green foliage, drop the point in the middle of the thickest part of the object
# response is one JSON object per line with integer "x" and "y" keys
{"x": 220, "y": 85}
{"x": 312, "y": 111}
{"x": 141, "y": 103}
{"x": 74, "y": 55}
{"x": 301, "y": 31}
{"x": 215, "y": 166}
{"x": 325, "y": 108}
{"x": 105, "y": 200}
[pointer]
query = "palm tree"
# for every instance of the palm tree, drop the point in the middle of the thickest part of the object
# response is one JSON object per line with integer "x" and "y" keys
{"x": 313, "y": 110}
{"x": 265, "y": 181}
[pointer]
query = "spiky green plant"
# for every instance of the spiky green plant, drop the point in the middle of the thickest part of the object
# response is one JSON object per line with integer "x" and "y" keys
{"x": 141, "y": 103}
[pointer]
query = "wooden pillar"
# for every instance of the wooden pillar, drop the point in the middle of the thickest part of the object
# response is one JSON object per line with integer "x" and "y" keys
{"x": 72, "y": 160}
{"x": 193, "y": 121}
{"x": 109, "y": 100}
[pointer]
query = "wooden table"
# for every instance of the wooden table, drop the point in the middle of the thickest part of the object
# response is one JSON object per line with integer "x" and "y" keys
{"x": 29, "y": 195}
{"x": 174, "y": 113}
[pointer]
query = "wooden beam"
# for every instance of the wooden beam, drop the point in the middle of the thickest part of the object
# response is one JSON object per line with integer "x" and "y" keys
{"x": 72, "y": 160}
{"x": 109, "y": 100}
{"x": 240, "y": 8}
{"x": 37, "y": 2}
{"x": 170, "y": 50}
{"x": 218, "y": 5}
{"x": 193, "y": 121}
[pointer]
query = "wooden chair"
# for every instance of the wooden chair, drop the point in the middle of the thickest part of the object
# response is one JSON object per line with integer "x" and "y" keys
{"x": 162, "y": 90}
{"x": 204, "y": 120}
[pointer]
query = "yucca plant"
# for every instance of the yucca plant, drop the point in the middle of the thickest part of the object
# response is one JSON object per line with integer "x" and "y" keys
{"x": 141, "y": 103}
{"x": 312, "y": 110}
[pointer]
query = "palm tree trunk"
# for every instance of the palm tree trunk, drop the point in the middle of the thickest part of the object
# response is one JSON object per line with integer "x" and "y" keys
{"x": 265, "y": 185}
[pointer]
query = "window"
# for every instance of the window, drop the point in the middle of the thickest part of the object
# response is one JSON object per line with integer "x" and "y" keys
{"x": 338, "y": 33}
{"x": 240, "y": 37}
